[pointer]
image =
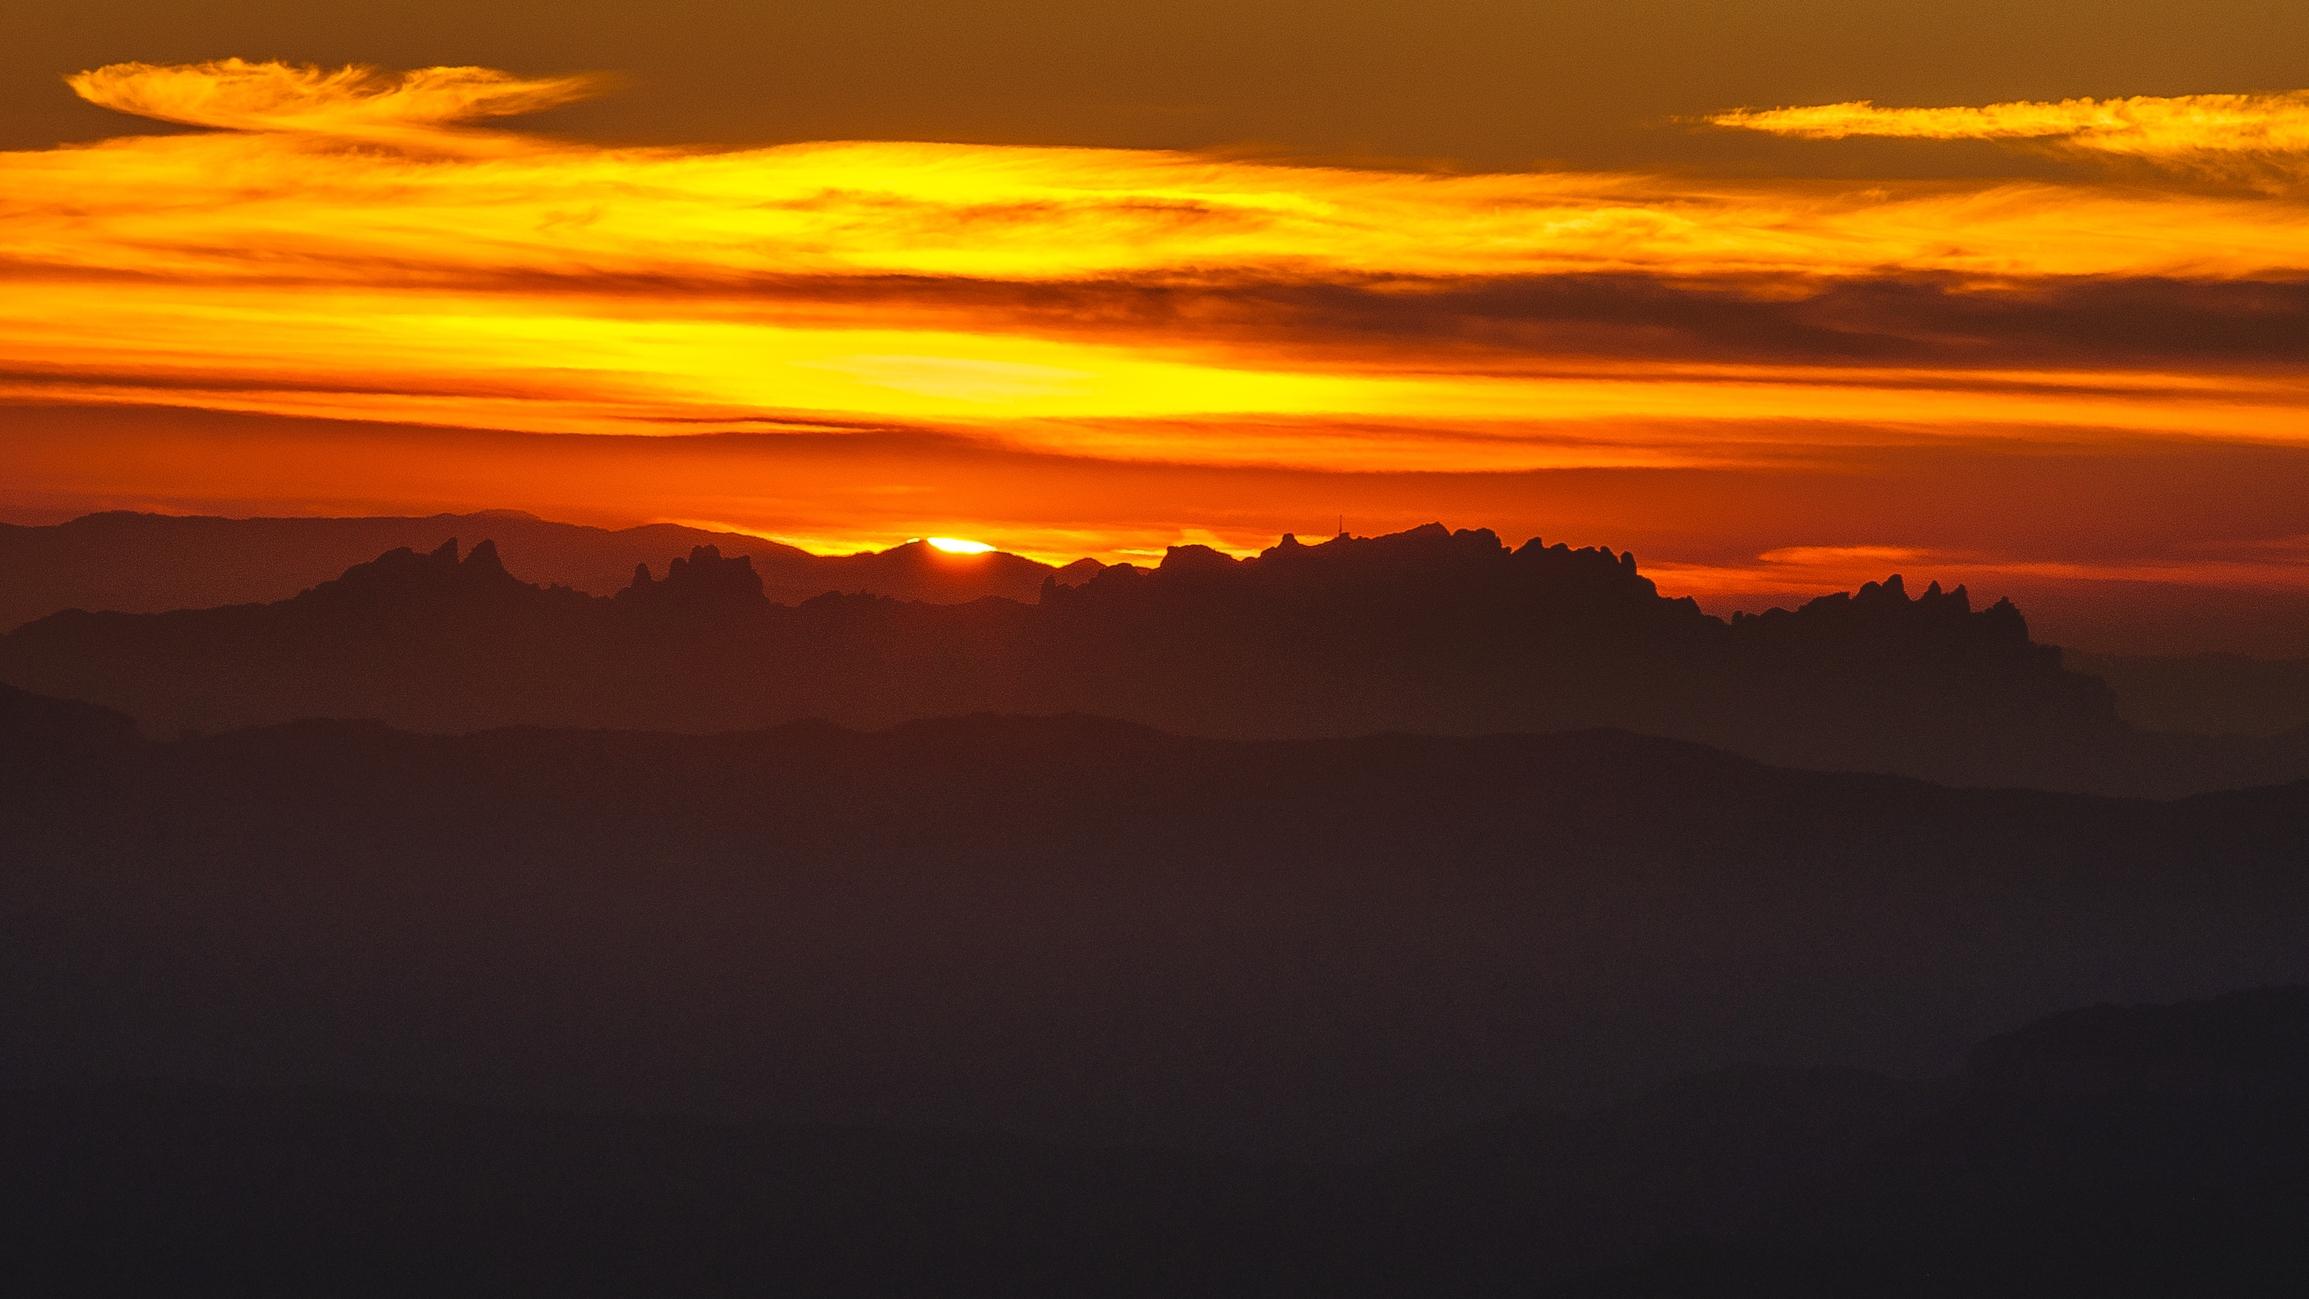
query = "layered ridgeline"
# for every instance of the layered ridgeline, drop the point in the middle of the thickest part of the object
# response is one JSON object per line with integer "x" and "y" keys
{"x": 1068, "y": 928}
{"x": 1424, "y": 631}
{"x": 2144, "y": 1150}
{"x": 152, "y": 563}
{"x": 2213, "y": 694}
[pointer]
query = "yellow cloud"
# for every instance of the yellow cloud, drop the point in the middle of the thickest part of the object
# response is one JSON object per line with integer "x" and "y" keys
{"x": 2180, "y": 128}
{"x": 1137, "y": 305}
{"x": 353, "y": 102}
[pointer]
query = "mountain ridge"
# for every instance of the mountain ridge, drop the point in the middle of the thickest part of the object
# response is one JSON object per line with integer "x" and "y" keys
{"x": 1796, "y": 1182}
{"x": 921, "y": 925}
{"x": 133, "y": 562}
{"x": 1427, "y": 630}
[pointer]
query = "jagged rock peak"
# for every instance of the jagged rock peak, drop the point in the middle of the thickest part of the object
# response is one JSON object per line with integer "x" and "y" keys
{"x": 1429, "y": 541}
{"x": 706, "y": 564}
{"x": 1425, "y": 565}
{"x": 1893, "y": 592}
{"x": 402, "y": 573}
{"x": 482, "y": 559}
{"x": 1880, "y": 609}
{"x": 1430, "y": 547}
{"x": 706, "y": 576}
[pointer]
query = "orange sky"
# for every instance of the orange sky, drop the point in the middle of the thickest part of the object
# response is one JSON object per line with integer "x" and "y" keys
{"x": 2087, "y": 388}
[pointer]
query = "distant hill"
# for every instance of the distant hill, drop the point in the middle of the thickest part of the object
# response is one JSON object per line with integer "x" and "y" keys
{"x": 144, "y": 1187}
{"x": 1068, "y": 928}
{"x": 1795, "y": 1182}
{"x": 2114, "y": 1150}
{"x": 1783, "y": 1182}
{"x": 1384, "y": 1016}
{"x": 2211, "y": 694}
{"x": 1427, "y": 630}
{"x": 152, "y": 563}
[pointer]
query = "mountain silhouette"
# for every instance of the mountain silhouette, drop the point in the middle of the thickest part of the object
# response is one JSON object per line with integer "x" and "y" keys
{"x": 1072, "y": 929}
{"x": 2134, "y": 1150}
{"x": 2103, "y": 1120}
{"x": 300, "y": 1189}
{"x": 189, "y": 1188}
{"x": 1428, "y": 631}
{"x": 153, "y": 563}
{"x": 2209, "y": 694}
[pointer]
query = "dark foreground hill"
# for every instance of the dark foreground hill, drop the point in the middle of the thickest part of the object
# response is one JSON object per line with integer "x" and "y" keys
{"x": 183, "y": 1188}
{"x": 152, "y": 563}
{"x": 1426, "y": 631}
{"x": 2138, "y": 1150}
{"x": 1066, "y": 928}
{"x": 2182, "y": 1167}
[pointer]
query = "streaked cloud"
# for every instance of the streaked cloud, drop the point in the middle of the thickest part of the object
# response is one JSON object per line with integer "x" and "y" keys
{"x": 349, "y": 246}
{"x": 2211, "y": 132}
{"x": 349, "y": 103}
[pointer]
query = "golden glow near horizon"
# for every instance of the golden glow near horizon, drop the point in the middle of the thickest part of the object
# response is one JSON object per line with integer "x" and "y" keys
{"x": 957, "y": 546}
{"x": 348, "y": 245}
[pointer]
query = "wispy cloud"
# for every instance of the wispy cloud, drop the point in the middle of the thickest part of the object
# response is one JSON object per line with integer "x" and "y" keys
{"x": 2205, "y": 132}
{"x": 1128, "y": 303}
{"x": 351, "y": 103}
{"x": 354, "y": 245}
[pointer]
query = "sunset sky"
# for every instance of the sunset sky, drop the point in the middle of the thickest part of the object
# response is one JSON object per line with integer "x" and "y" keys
{"x": 2016, "y": 299}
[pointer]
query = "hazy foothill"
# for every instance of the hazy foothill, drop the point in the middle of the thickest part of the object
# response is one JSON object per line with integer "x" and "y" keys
{"x": 1379, "y": 1012}
{"x": 1721, "y": 1005}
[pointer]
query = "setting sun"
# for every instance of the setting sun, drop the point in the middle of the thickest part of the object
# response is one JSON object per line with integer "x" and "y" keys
{"x": 861, "y": 337}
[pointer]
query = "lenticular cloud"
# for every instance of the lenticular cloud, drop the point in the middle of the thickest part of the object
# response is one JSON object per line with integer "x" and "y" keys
{"x": 353, "y": 101}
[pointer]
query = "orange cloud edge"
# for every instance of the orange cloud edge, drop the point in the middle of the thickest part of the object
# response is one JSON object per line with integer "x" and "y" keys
{"x": 936, "y": 338}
